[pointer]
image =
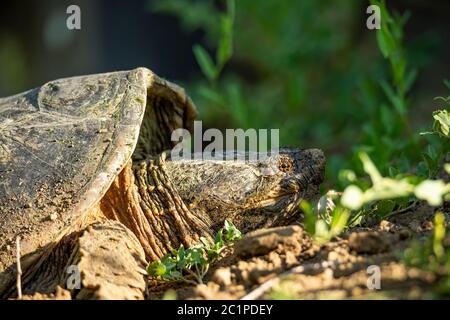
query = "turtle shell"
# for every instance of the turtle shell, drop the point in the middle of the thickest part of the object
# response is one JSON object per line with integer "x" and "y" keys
{"x": 62, "y": 145}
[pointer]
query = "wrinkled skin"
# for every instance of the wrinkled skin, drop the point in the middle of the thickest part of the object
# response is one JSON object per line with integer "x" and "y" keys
{"x": 252, "y": 193}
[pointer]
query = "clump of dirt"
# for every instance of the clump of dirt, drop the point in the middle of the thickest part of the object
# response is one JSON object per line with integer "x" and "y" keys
{"x": 59, "y": 294}
{"x": 397, "y": 281}
{"x": 284, "y": 263}
{"x": 370, "y": 242}
{"x": 290, "y": 240}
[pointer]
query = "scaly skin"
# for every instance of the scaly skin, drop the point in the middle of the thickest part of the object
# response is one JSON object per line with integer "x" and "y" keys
{"x": 171, "y": 202}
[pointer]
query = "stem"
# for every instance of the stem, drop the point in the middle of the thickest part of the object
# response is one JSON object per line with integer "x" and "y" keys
{"x": 19, "y": 270}
{"x": 198, "y": 275}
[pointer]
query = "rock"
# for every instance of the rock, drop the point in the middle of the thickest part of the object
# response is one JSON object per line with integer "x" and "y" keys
{"x": 369, "y": 242}
{"x": 282, "y": 239}
{"x": 211, "y": 291}
{"x": 222, "y": 276}
{"x": 291, "y": 259}
{"x": 387, "y": 226}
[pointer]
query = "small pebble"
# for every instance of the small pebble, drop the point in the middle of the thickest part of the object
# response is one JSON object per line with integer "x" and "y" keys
{"x": 222, "y": 276}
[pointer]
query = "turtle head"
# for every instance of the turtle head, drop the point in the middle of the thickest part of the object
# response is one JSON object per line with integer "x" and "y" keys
{"x": 252, "y": 190}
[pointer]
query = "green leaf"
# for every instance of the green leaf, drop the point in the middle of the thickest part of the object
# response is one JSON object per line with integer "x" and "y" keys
{"x": 347, "y": 176}
{"x": 195, "y": 256}
{"x": 339, "y": 221}
{"x": 174, "y": 275}
{"x": 385, "y": 41}
{"x": 370, "y": 168}
{"x": 225, "y": 49}
{"x": 385, "y": 207}
{"x": 205, "y": 242}
{"x": 181, "y": 251}
{"x": 205, "y": 62}
{"x": 409, "y": 80}
{"x": 447, "y": 167}
{"x": 393, "y": 171}
{"x": 156, "y": 269}
{"x": 442, "y": 122}
{"x": 430, "y": 163}
{"x": 439, "y": 234}
{"x": 322, "y": 233}
{"x": 310, "y": 217}
{"x": 352, "y": 197}
{"x": 432, "y": 191}
{"x": 218, "y": 237}
{"x": 393, "y": 97}
{"x": 231, "y": 232}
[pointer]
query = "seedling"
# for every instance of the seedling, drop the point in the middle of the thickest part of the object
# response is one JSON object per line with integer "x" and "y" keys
{"x": 193, "y": 263}
{"x": 432, "y": 254}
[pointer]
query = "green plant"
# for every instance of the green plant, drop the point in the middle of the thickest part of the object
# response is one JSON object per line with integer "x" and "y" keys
{"x": 276, "y": 75}
{"x": 388, "y": 137}
{"x": 381, "y": 196}
{"x": 382, "y": 188}
{"x": 324, "y": 225}
{"x": 187, "y": 263}
{"x": 211, "y": 69}
{"x": 384, "y": 197}
{"x": 432, "y": 254}
{"x": 441, "y": 123}
{"x": 439, "y": 139}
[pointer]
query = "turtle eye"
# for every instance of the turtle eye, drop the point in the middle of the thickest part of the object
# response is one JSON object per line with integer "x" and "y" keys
{"x": 285, "y": 164}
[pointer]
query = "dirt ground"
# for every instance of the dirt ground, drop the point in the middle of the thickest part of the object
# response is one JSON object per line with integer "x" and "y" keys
{"x": 284, "y": 263}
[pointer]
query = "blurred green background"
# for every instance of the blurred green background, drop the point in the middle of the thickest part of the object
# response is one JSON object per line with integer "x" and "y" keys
{"x": 310, "y": 68}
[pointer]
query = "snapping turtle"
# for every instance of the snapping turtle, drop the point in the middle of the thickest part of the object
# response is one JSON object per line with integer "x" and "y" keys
{"x": 86, "y": 185}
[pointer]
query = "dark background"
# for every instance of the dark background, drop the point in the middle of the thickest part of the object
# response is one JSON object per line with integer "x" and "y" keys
{"x": 35, "y": 45}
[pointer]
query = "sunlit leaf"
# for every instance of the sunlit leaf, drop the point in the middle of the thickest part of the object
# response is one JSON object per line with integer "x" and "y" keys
{"x": 352, "y": 197}
{"x": 438, "y": 234}
{"x": 339, "y": 221}
{"x": 447, "y": 168}
{"x": 442, "y": 122}
{"x": 370, "y": 168}
{"x": 310, "y": 217}
{"x": 156, "y": 269}
{"x": 432, "y": 191}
